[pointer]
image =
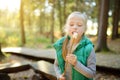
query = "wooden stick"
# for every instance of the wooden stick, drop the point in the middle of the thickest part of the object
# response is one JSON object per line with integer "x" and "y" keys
{"x": 71, "y": 51}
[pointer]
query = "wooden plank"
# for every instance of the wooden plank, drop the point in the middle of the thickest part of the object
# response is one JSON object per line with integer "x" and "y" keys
{"x": 13, "y": 65}
{"x": 50, "y": 54}
{"x": 10, "y": 69}
{"x": 46, "y": 68}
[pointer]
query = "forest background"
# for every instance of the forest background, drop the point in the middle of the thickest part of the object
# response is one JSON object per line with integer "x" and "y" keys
{"x": 39, "y": 23}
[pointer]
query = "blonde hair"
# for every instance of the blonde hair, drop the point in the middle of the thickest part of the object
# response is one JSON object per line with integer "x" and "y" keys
{"x": 83, "y": 16}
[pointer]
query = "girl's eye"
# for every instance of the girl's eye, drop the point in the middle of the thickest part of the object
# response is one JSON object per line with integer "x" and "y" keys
{"x": 71, "y": 24}
{"x": 79, "y": 25}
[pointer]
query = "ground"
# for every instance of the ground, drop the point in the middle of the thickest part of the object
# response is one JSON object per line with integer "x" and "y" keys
{"x": 113, "y": 45}
{"x": 103, "y": 58}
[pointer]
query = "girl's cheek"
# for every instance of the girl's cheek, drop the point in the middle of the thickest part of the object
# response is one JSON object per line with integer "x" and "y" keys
{"x": 81, "y": 31}
{"x": 70, "y": 30}
{"x": 70, "y": 33}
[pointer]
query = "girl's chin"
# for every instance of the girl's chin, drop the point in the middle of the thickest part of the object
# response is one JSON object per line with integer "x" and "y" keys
{"x": 70, "y": 35}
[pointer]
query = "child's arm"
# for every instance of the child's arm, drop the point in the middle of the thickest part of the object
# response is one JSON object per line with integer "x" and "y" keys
{"x": 57, "y": 70}
{"x": 89, "y": 70}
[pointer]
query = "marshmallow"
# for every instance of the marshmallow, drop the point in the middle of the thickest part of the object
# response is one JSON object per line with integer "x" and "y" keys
{"x": 75, "y": 35}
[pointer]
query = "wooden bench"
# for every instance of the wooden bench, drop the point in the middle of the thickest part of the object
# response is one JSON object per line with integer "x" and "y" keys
{"x": 48, "y": 55}
{"x": 42, "y": 67}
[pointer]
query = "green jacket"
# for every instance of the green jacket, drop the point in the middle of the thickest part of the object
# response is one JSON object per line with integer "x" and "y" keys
{"x": 82, "y": 52}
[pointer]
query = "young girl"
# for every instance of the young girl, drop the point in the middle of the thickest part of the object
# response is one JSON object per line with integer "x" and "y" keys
{"x": 75, "y": 55}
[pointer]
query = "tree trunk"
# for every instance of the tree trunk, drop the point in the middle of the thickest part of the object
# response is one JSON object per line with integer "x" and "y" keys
{"x": 99, "y": 8}
{"x": 29, "y": 22}
{"x": 64, "y": 11}
{"x": 77, "y": 5}
{"x": 22, "y": 23}
{"x": 116, "y": 14}
{"x": 60, "y": 16}
{"x": 41, "y": 20}
{"x": 1, "y": 54}
{"x": 103, "y": 23}
{"x": 52, "y": 24}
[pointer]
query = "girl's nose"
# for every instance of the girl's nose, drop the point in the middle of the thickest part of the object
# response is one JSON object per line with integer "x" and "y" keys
{"x": 75, "y": 26}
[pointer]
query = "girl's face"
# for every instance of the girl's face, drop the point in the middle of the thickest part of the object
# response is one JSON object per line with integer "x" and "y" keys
{"x": 75, "y": 24}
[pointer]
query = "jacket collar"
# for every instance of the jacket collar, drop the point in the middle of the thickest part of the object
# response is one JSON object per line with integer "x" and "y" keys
{"x": 84, "y": 41}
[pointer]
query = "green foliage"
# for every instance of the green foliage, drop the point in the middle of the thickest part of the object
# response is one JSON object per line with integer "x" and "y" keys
{"x": 2, "y": 36}
{"x": 9, "y": 38}
{"x": 49, "y": 46}
{"x": 12, "y": 38}
{"x": 38, "y": 21}
{"x": 37, "y": 41}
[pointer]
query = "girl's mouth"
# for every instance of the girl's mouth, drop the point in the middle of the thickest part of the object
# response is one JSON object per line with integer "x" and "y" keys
{"x": 75, "y": 34}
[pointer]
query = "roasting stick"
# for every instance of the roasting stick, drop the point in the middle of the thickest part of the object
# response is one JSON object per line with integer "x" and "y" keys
{"x": 75, "y": 35}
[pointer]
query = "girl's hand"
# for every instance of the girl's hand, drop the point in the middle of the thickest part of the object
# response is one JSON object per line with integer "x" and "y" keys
{"x": 62, "y": 77}
{"x": 72, "y": 59}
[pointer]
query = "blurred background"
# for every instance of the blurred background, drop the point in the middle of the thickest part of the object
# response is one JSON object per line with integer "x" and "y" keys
{"x": 37, "y": 24}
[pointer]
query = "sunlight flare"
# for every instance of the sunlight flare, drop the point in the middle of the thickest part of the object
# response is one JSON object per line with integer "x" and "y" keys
{"x": 11, "y": 5}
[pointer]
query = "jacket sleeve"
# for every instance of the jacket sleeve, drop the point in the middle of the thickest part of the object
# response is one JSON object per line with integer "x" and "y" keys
{"x": 90, "y": 70}
{"x": 57, "y": 69}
